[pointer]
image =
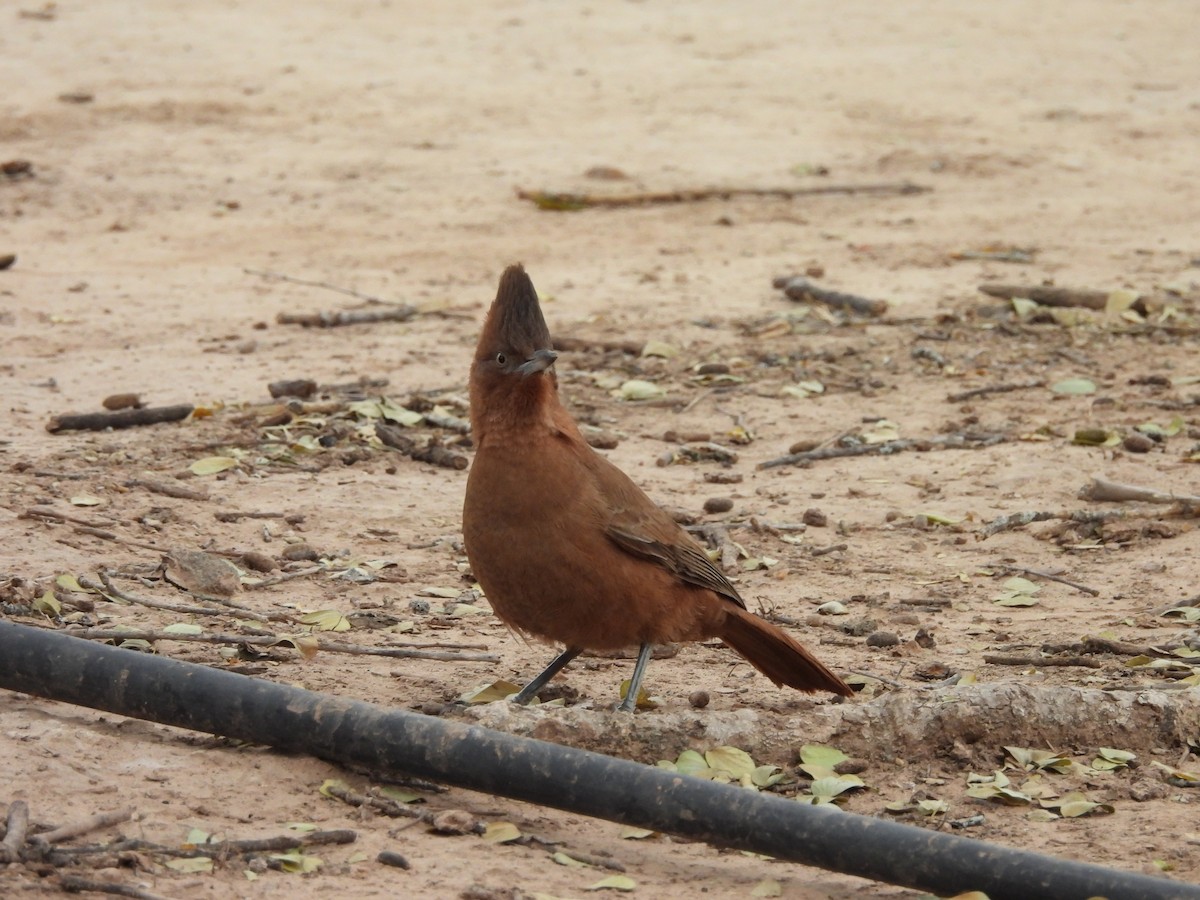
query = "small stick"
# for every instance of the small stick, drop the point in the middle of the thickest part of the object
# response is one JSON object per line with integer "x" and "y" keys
{"x": 571, "y": 344}
{"x": 106, "y": 535}
{"x": 17, "y": 827}
{"x": 280, "y": 579}
{"x": 1041, "y": 662}
{"x": 167, "y": 489}
{"x": 107, "y": 587}
{"x": 74, "y": 884}
{"x": 275, "y": 844}
{"x": 125, "y": 418}
{"x": 384, "y": 805}
{"x": 433, "y": 452}
{"x": 92, "y": 823}
{"x": 232, "y": 516}
{"x": 113, "y": 634}
{"x": 323, "y": 285}
{"x": 1038, "y": 574}
{"x": 568, "y": 202}
{"x": 46, "y": 512}
{"x": 804, "y": 291}
{"x": 1104, "y": 645}
{"x": 337, "y": 318}
{"x": 832, "y": 548}
{"x": 995, "y": 389}
{"x": 888, "y": 681}
{"x": 941, "y": 442}
{"x": 1110, "y": 491}
{"x": 1053, "y": 296}
{"x": 1015, "y": 520}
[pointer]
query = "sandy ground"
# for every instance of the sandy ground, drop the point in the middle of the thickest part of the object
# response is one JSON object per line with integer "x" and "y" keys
{"x": 377, "y": 147}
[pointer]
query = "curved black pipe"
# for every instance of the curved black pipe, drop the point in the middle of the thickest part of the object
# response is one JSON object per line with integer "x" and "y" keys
{"x": 73, "y": 670}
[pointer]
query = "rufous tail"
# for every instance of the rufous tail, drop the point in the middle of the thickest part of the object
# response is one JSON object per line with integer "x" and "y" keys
{"x": 777, "y": 655}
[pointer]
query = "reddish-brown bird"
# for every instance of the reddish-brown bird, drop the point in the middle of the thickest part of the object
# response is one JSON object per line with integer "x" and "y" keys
{"x": 567, "y": 548}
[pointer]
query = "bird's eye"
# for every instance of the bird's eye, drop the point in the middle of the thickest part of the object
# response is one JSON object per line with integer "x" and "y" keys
{"x": 501, "y": 358}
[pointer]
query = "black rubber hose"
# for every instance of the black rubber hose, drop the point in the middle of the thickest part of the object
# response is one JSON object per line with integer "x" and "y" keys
{"x": 58, "y": 667}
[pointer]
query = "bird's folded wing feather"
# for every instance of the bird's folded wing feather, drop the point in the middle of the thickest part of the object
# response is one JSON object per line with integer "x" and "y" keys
{"x": 639, "y": 527}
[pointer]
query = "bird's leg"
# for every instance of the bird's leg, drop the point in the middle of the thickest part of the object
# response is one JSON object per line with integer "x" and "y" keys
{"x": 635, "y": 680}
{"x": 530, "y": 690}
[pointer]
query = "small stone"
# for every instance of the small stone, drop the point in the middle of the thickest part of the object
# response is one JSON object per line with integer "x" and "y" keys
{"x": 392, "y": 858}
{"x": 882, "y": 639}
{"x": 1145, "y": 789}
{"x": 803, "y": 446}
{"x": 814, "y": 518}
{"x": 259, "y": 562}
{"x": 698, "y": 699}
{"x": 299, "y": 552}
{"x": 712, "y": 368}
{"x": 859, "y": 627}
{"x": 294, "y": 387}
{"x": 420, "y": 607}
{"x": 833, "y": 608}
{"x": 934, "y": 671}
{"x": 122, "y": 401}
{"x": 723, "y": 477}
{"x": 718, "y": 505}
{"x": 925, "y": 638}
{"x": 851, "y": 766}
{"x": 1137, "y": 443}
{"x": 455, "y": 821}
{"x": 814, "y": 271}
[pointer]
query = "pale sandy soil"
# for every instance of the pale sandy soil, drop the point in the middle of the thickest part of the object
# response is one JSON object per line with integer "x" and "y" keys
{"x": 377, "y": 146}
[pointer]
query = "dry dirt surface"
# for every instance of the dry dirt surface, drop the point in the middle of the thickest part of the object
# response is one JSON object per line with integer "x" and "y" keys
{"x": 177, "y": 176}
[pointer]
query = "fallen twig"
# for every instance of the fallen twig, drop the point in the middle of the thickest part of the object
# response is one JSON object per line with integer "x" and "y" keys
{"x": 1039, "y": 574}
{"x": 107, "y": 587}
{"x": 340, "y": 317}
{"x": 1086, "y": 517}
{"x": 1042, "y": 661}
{"x": 571, "y": 344}
{"x": 385, "y": 805}
{"x": 85, "y": 826}
{"x": 433, "y": 452}
{"x": 260, "y": 640}
{"x": 804, "y": 291}
{"x": 995, "y": 389}
{"x": 970, "y": 441}
{"x": 1104, "y": 645}
{"x": 125, "y": 418}
{"x": 234, "y": 516}
{"x": 1102, "y": 491}
{"x": 1048, "y": 295}
{"x": 167, "y": 489}
{"x": 74, "y": 884}
{"x": 323, "y": 285}
{"x": 280, "y": 579}
{"x": 569, "y": 202}
{"x": 46, "y": 512}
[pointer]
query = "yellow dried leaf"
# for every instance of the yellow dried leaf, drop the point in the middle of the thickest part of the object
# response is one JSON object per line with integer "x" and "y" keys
{"x": 211, "y": 465}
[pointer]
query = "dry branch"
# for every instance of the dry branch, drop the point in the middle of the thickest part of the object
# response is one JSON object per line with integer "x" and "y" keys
{"x": 125, "y": 418}
{"x": 1036, "y": 573}
{"x": 167, "y": 489}
{"x": 995, "y": 389}
{"x": 1047, "y": 295}
{"x": 340, "y": 317}
{"x": 570, "y": 202}
{"x": 1102, "y": 491}
{"x": 804, "y": 291}
{"x": 86, "y": 826}
{"x": 74, "y": 884}
{"x": 17, "y": 826}
{"x": 970, "y": 441}
{"x": 1042, "y": 661}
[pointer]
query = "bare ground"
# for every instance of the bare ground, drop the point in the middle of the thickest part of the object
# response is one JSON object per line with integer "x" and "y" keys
{"x": 376, "y": 147}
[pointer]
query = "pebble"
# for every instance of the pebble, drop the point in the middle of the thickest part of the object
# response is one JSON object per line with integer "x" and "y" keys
{"x": 1137, "y": 443}
{"x": 718, "y": 505}
{"x": 698, "y": 699}
{"x": 882, "y": 639}
{"x": 814, "y": 518}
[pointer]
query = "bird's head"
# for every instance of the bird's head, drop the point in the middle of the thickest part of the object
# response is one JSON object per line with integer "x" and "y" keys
{"x": 512, "y": 373}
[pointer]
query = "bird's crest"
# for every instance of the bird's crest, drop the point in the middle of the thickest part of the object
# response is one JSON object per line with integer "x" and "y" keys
{"x": 515, "y": 320}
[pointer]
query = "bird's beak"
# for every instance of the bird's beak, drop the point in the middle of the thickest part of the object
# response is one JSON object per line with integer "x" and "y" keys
{"x": 539, "y": 362}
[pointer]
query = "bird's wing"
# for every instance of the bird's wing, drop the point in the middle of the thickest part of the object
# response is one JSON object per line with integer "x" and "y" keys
{"x": 641, "y": 528}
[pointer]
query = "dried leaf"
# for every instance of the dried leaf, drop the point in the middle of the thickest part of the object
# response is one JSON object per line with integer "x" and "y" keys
{"x": 633, "y": 833}
{"x": 325, "y": 620}
{"x": 660, "y": 348}
{"x": 490, "y": 693}
{"x": 1074, "y": 386}
{"x": 613, "y": 883}
{"x": 211, "y": 465}
{"x": 636, "y": 389}
{"x": 737, "y": 763}
{"x": 191, "y": 864}
{"x": 183, "y": 628}
{"x": 501, "y": 832}
{"x": 86, "y": 500}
